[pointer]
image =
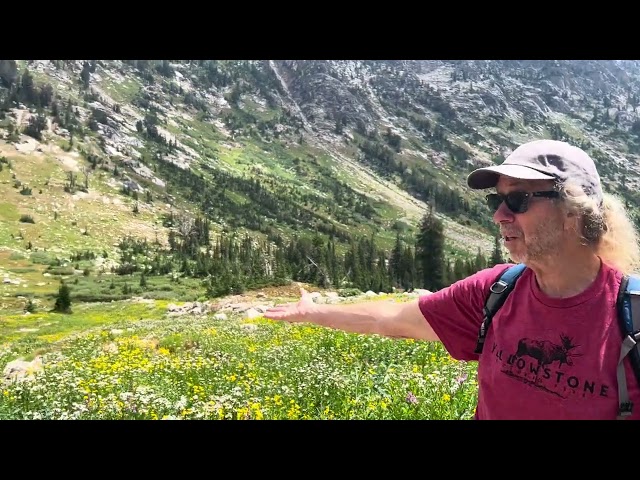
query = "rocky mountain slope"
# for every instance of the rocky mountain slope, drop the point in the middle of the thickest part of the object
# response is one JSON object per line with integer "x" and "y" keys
{"x": 290, "y": 146}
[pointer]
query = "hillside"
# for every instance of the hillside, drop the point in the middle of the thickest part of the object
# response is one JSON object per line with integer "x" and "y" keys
{"x": 344, "y": 151}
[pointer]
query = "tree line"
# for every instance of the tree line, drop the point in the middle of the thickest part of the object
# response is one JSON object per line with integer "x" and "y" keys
{"x": 232, "y": 263}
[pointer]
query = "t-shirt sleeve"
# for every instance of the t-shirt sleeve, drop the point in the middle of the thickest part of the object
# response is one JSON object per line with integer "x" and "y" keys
{"x": 455, "y": 313}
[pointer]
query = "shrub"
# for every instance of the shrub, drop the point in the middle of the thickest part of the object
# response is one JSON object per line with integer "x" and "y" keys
{"x": 63, "y": 300}
{"x": 349, "y": 292}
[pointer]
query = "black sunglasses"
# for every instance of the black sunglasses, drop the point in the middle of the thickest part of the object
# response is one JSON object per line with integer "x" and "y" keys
{"x": 517, "y": 202}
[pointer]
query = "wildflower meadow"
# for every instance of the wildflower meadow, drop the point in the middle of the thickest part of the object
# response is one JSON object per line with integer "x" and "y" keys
{"x": 201, "y": 368}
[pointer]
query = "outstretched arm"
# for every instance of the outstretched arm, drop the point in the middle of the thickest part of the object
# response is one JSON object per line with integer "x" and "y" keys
{"x": 391, "y": 319}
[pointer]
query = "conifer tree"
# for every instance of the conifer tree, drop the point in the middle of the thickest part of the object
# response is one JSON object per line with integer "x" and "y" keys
{"x": 430, "y": 251}
{"x": 408, "y": 269}
{"x": 63, "y": 300}
{"x": 496, "y": 256}
{"x": 395, "y": 262}
{"x": 480, "y": 262}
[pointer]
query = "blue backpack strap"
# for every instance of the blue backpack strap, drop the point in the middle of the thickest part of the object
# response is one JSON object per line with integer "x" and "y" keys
{"x": 498, "y": 293}
{"x": 629, "y": 316}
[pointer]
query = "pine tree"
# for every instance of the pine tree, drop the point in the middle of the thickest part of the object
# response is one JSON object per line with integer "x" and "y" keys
{"x": 480, "y": 261}
{"x": 496, "y": 256}
{"x": 430, "y": 251}
{"x": 459, "y": 271}
{"x": 395, "y": 262}
{"x": 408, "y": 269}
{"x": 63, "y": 300}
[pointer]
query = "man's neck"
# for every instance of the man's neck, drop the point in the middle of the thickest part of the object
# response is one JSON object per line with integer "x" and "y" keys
{"x": 567, "y": 275}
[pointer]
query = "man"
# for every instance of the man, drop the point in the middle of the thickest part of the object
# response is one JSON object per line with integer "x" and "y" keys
{"x": 552, "y": 350}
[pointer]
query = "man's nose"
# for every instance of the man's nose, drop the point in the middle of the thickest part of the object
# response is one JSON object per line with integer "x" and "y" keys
{"x": 503, "y": 214}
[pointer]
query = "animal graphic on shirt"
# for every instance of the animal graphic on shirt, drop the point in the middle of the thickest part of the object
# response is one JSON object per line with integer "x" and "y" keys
{"x": 549, "y": 366}
{"x": 547, "y": 352}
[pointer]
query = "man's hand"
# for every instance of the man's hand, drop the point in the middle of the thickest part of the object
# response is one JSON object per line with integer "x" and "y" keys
{"x": 391, "y": 319}
{"x": 293, "y": 312}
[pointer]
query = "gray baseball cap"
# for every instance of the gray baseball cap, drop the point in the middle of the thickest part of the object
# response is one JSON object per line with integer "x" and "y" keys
{"x": 543, "y": 160}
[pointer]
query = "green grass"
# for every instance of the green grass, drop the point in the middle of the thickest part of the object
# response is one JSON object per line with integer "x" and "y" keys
{"x": 231, "y": 156}
{"x": 49, "y": 326}
{"x": 8, "y": 211}
{"x": 40, "y": 282}
{"x": 201, "y": 130}
{"x": 258, "y": 111}
{"x": 96, "y": 287}
{"x": 122, "y": 92}
{"x": 93, "y": 221}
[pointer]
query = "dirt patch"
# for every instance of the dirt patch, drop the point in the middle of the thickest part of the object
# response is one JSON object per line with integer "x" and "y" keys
{"x": 292, "y": 290}
{"x": 28, "y": 145}
{"x": 68, "y": 161}
{"x": 110, "y": 200}
{"x": 263, "y": 295}
{"x": 90, "y": 195}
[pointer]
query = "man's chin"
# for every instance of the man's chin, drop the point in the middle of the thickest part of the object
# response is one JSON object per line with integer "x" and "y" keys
{"x": 515, "y": 257}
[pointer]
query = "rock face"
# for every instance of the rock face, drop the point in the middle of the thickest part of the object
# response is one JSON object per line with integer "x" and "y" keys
{"x": 336, "y": 98}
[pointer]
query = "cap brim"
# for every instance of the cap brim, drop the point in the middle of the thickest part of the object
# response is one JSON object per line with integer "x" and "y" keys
{"x": 487, "y": 177}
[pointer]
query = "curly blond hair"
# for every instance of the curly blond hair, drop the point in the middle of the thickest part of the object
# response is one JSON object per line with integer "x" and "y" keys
{"x": 608, "y": 228}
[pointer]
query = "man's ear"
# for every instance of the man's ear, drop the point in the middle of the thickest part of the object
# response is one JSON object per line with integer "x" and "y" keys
{"x": 572, "y": 221}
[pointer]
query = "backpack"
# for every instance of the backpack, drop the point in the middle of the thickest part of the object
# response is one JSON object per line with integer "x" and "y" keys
{"x": 628, "y": 308}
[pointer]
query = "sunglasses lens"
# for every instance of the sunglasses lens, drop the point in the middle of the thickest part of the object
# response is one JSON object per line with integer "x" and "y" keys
{"x": 516, "y": 201}
{"x": 493, "y": 201}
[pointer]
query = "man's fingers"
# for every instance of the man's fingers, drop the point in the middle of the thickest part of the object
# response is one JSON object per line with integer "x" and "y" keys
{"x": 285, "y": 311}
{"x": 278, "y": 309}
{"x": 280, "y": 315}
{"x": 275, "y": 310}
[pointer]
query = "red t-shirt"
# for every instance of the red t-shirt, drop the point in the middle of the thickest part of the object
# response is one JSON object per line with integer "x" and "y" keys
{"x": 543, "y": 358}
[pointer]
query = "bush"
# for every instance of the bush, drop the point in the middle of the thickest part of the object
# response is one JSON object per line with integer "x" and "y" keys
{"x": 27, "y": 219}
{"x": 66, "y": 271}
{"x": 43, "y": 258}
{"x": 156, "y": 295}
{"x": 63, "y": 300}
{"x": 30, "y": 306}
{"x": 349, "y": 292}
{"x": 98, "y": 297}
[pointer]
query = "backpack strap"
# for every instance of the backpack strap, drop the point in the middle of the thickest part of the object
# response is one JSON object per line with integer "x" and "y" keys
{"x": 498, "y": 293}
{"x": 628, "y": 304}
